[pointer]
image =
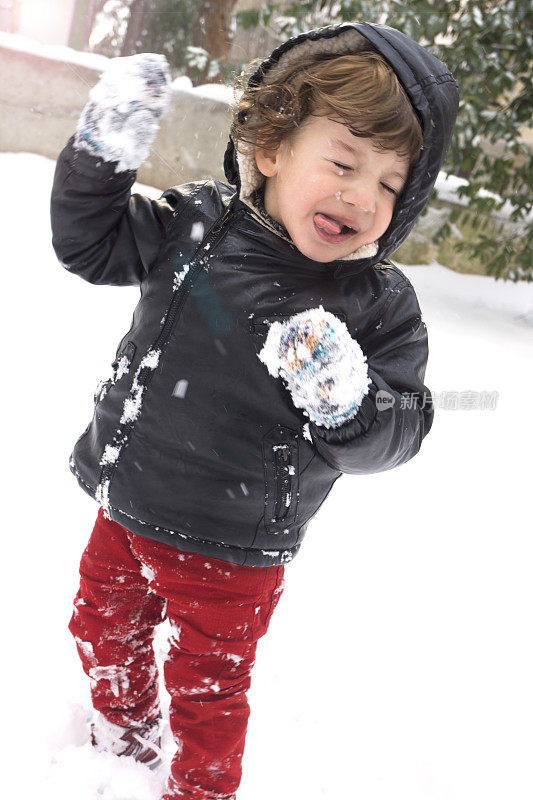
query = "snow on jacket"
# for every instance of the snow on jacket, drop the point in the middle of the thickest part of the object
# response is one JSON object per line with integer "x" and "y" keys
{"x": 192, "y": 442}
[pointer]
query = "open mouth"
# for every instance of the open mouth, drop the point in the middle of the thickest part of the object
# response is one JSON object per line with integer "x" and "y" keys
{"x": 332, "y": 230}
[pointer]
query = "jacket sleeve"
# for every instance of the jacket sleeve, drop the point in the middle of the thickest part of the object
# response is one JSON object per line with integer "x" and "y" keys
{"x": 387, "y": 434}
{"x": 99, "y": 230}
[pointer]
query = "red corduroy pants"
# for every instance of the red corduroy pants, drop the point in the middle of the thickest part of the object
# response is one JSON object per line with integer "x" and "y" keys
{"x": 217, "y": 612}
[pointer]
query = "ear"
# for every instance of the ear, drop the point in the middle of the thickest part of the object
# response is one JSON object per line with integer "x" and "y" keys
{"x": 267, "y": 161}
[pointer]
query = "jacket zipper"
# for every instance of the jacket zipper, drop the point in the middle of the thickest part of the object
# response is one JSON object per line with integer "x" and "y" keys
{"x": 195, "y": 267}
{"x": 199, "y": 260}
{"x": 283, "y": 482}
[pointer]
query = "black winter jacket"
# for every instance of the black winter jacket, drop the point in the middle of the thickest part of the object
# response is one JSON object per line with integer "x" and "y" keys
{"x": 192, "y": 442}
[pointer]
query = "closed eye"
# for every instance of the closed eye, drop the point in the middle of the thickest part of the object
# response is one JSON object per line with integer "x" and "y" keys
{"x": 350, "y": 169}
{"x": 341, "y": 166}
{"x": 390, "y": 189}
{"x": 385, "y": 185}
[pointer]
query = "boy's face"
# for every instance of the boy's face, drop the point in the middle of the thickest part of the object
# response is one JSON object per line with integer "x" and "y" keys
{"x": 326, "y": 178}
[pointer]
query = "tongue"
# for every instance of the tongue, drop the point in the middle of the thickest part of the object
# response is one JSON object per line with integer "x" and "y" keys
{"x": 327, "y": 224}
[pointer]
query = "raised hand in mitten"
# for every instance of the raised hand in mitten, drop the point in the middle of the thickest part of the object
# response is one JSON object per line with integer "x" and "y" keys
{"x": 121, "y": 119}
{"x": 322, "y": 366}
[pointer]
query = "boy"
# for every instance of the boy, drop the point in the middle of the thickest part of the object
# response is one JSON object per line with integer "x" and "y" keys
{"x": 207, "y": 467}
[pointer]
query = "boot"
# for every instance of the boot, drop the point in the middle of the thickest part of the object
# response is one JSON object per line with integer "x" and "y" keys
{"x": 141, "y": 742}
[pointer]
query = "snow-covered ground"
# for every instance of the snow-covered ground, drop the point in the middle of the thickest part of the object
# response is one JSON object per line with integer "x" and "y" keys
{"x": 398, "y": 664}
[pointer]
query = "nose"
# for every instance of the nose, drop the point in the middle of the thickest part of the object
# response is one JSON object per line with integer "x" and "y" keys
{"x": 360, "y": 195}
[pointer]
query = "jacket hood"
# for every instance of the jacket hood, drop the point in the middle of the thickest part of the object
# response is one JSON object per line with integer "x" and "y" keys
{"x": 433, "y": 93}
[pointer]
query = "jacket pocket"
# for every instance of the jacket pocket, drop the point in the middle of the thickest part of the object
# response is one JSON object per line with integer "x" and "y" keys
{"x": 259, "y": 327}
{"x": 119, "y": 367}
{"x": 281, "y": 470}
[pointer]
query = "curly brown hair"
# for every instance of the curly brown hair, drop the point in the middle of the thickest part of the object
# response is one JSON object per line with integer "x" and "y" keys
{"x": 359, "y": 89}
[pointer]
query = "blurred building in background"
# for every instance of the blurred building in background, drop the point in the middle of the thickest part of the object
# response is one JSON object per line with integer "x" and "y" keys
{"x": 66, "y": 22}
{"x": 10, "y": 16}
{"x": 70, "y": 22}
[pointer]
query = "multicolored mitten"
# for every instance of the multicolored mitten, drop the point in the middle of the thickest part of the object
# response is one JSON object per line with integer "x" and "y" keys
{"x": 121, "y": 119}
{"x": 324, "y": 369}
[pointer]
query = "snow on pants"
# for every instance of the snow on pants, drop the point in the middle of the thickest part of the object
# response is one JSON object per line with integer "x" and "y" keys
{"x": 217, "y": 612}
